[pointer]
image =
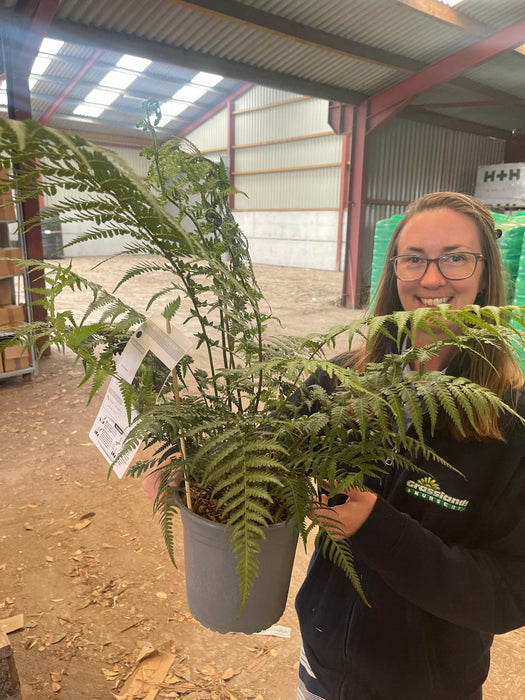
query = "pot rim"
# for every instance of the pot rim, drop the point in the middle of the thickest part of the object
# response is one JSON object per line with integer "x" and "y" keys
{"x": 220, "y": 526}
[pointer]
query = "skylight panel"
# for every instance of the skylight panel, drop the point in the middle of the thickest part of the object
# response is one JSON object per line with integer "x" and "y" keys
{"x": 101, "y": 97}
{"x": 450, "y": 3}
{"x": 40, "y": 65}
{"x": 207, "y": 79}
{"x": 51, "y": 46}
{"x": 32, "y": 82}
{"x": 173, "y": 109}
{"x": 163, "y": 121}
{"x": 169, "y": 111}
{"x": 117, "y": 79}
{"x": 133, "y": 63}
{"x": 85, "y": 110}
{"x": 189, "y": 93}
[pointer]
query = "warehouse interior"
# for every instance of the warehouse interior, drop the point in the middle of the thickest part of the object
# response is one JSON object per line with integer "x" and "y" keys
{"x": 330, "y": 117}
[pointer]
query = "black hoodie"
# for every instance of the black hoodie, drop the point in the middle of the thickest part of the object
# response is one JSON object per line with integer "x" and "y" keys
{"x": 441, "y": 559}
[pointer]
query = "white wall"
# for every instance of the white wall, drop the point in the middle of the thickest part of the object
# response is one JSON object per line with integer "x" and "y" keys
{"x": 291, "y": 238}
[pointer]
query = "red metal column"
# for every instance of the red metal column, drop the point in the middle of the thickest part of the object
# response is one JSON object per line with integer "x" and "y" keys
{"x": 356, "y": 208}
{"x": 343, "y": 195}
{"x": 231, "y": 150}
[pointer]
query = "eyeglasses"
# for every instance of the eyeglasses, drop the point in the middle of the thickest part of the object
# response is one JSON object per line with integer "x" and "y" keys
{"x": 453, "y": 266}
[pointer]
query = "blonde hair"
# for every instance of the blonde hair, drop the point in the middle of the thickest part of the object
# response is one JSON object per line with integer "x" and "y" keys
{"x": 497, "y": 371}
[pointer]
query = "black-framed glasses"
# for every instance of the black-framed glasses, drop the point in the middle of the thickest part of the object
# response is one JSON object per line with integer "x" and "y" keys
{"x": 453, "y": 266}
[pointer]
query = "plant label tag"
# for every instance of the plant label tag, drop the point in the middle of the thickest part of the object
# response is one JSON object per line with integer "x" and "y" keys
{"x": 159, "y": 346}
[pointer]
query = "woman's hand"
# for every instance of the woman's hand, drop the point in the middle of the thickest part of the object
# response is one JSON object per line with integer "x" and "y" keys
{"x": 151, "y": 482}
{"x": 344, "y": 520}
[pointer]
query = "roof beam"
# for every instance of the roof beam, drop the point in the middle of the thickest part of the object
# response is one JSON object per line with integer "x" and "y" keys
{"x": 38, "y": 12}
{"x": 390, "y": 102}
{"x": 450, "y": 15}
{"x": 457, "y": 105}
{"x": 113, "y": 41}
{"x": 450, "y": 122}
{"x": 80, "y": 34}
{"x": 302, "y": 33}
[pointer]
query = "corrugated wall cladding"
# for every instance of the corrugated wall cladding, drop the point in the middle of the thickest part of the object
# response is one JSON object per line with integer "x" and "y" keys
{"x": 261, "y": 96}
{"x": 316, "y": 151}
{"x": 282, "y": 121}
{"x": 133, "y": 158}
{"x": 212, "y": 134}
{"x": 301, "y": 189}
{"x": 408, "y": 159}
{"x": 217, "y": 155}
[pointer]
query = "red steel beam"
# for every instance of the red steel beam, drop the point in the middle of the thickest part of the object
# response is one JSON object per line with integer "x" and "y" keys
{"x": 44, "y": 119}
{"x": 390, "y": 102}
{"x": 41, "y": 12}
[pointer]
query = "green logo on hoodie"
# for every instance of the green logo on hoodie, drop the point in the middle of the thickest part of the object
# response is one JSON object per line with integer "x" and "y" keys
{"x": 428, "y": 489}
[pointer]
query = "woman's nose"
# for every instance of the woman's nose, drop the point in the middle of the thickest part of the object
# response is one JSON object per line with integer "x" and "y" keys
{"x": 432, "y": 276}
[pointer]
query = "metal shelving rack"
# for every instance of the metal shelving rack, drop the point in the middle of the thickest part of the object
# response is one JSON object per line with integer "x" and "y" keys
{"x": 19, "y": 292}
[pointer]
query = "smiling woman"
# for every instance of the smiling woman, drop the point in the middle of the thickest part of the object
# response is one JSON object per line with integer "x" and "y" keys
{"x": 441, "y": 553}
{"x": 437, "y": 260}
{"x": 436, "y": 230}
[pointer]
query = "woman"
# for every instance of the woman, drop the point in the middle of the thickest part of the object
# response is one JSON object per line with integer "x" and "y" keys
{"x": 441, "y": 559}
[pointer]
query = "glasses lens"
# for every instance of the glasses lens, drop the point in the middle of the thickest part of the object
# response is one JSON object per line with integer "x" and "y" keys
{"x": 457, "y": 266}
{"x": 409, "y": 268}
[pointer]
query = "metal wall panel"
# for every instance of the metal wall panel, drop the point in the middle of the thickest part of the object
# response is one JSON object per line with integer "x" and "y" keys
{"x": 317, "y": 151}
{"x": 302, "y": 189}
{"x": 212, "y": 134}
{"x": 132, "y": 156}
{"x": 260, "y": 96}
{"x": 283, "y": 121}
{"x": 408, "y": 159}
{"x": 217, "y": 155}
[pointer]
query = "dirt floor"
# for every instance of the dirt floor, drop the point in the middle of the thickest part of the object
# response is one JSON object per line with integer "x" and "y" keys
{"x": 84, "y": 562}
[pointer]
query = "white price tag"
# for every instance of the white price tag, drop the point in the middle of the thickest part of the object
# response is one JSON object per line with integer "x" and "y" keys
{"x": 111, "y": 426}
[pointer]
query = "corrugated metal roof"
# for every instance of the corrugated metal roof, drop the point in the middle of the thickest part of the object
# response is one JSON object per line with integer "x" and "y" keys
{"x": 342, "y": 49}
{"x": 498, "y": 14}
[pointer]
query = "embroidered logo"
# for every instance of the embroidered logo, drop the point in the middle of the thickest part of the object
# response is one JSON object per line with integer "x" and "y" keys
{"x": 429, "y": 489}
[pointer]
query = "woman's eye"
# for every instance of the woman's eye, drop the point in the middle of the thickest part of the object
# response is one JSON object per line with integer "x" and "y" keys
{"x": 454, "y": 257}
{"x": 414, "y": 259}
